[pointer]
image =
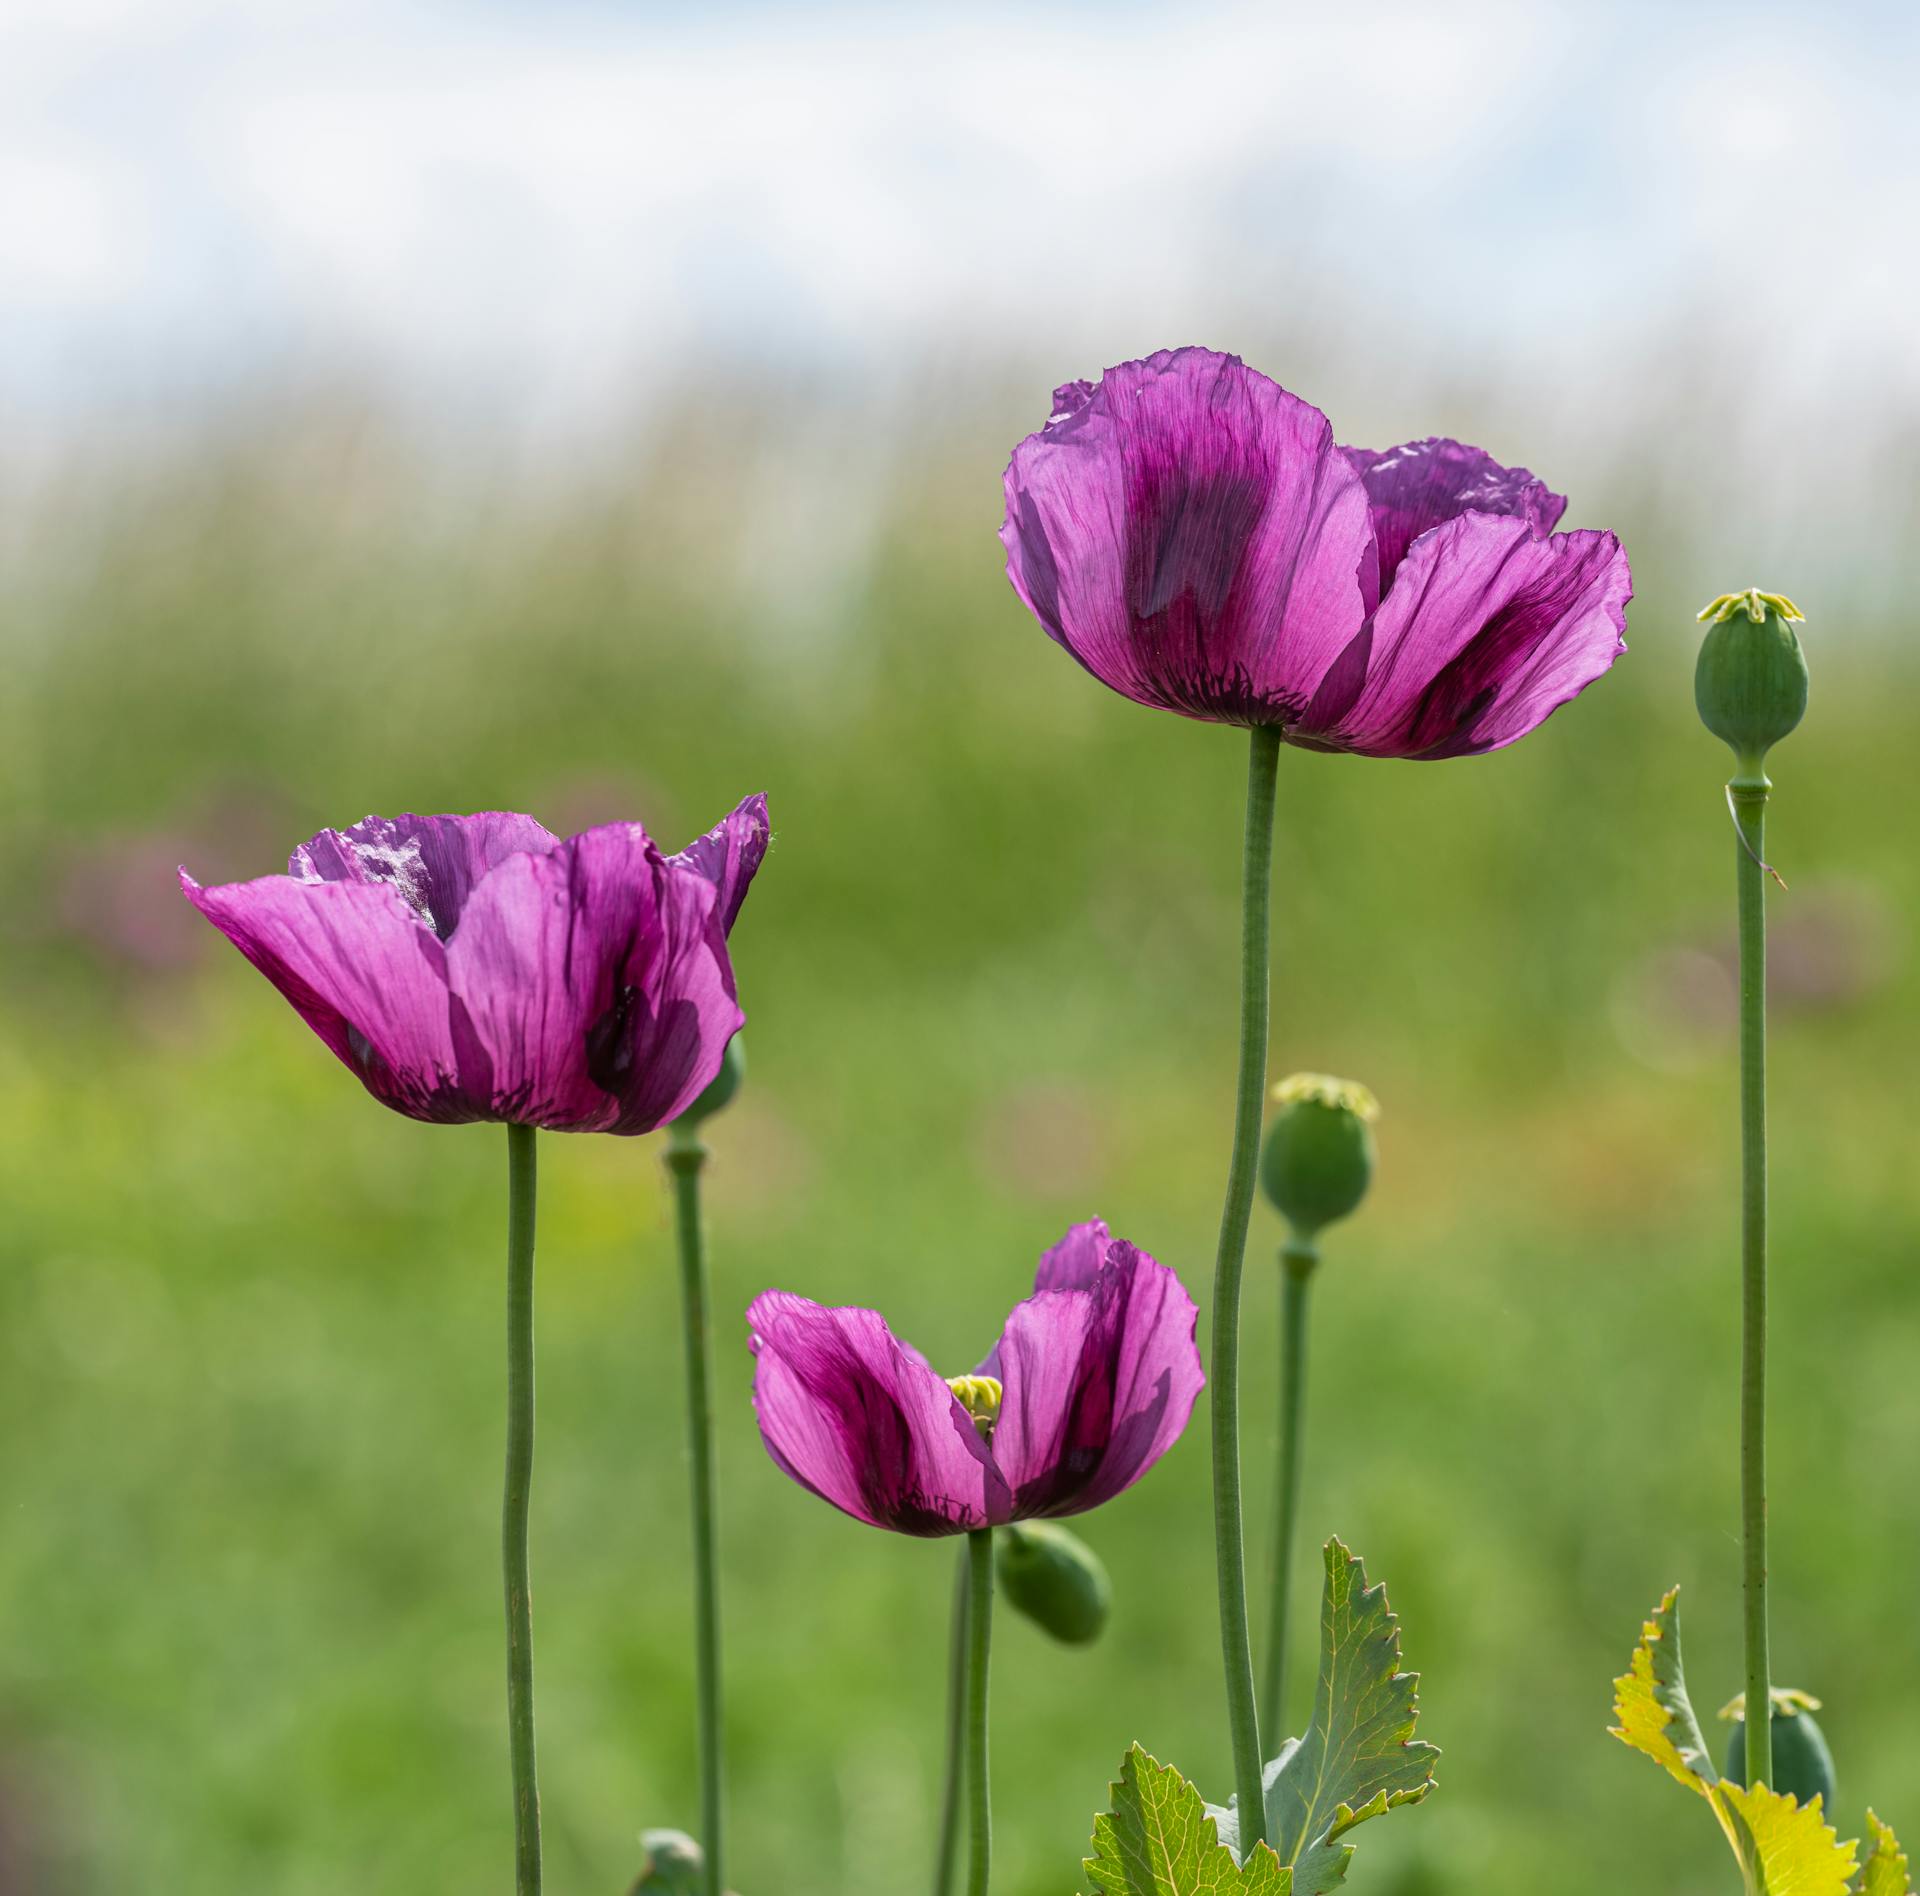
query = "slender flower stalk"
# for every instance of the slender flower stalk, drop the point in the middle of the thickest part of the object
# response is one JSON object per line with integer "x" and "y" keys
{"x": 1750, "y": 803}
{"x": 1751, "y": 689}
{"x": 1315, "y": 1167}
{"x": 979, "y": 1651}
{"x": 686, "y": 1158}
{"x": 1229, "y": 1534}
{"x": 522, "y": 1178}
{"x": 948, "y": 1853}
{"x": 1297, "y": 1260}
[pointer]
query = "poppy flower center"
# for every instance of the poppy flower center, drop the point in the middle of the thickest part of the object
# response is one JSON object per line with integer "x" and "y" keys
{"x": 980, "y": 1397}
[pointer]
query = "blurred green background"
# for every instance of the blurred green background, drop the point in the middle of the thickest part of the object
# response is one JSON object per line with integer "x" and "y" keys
{"x": 250, "y": 1323}
{"x": 597, "y": 409}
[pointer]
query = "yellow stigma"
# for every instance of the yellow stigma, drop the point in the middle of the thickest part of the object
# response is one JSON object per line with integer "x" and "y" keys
{"x": 980, "y": 1397}
{"x": 1755, "y": 604}
{"x": 1349, "y": 1095}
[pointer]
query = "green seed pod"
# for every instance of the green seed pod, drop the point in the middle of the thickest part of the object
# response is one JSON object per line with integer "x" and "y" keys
{"x": 721, "y": 1088}
{"x": 672, "y": 1864}
{"x": 1802, "y": 1764}
{"x": 1751, "y": 681}
{"x": 1055, "y": 1579}
{"x": 1317, "y": 1162}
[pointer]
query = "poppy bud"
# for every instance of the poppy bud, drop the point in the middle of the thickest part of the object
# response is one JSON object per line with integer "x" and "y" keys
{"x": 1751, "y": 681}
{"x": 1802, "y": 1764}
{"x": 672, "y": 1864}
{"x": 1055, "y": 1579}
{"x": 1318, "y": 1158}
{"x": 720, "y": 1089}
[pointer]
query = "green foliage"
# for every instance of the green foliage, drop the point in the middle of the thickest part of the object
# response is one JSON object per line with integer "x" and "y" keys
{"x": 1884, "y": 1873}
{"x": 1784, "y": 1848}
{"x": 1359, "y": 1758}
{"x": 250, "y": 1323}
{"x": 1158, "y": 1840}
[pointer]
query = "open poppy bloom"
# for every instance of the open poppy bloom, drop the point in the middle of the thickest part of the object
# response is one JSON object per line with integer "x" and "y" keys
{"x": 1191, "y": 533}
{"x": 1091, "y": 1382}
{"x": 479, "y": 967}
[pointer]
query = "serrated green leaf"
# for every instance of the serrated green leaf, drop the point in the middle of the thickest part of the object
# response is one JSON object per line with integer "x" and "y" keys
{"x": 1158, "y": 1840}
{"x": 1783, "y": 1848}
{"x": 1359, "y": 1757}
{"x": 1885, "y": 1872}
{"x": 1650, "y": 1701}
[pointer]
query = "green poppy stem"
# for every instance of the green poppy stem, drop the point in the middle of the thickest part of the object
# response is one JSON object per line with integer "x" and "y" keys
{"x": 1297, "y": 1260}
{"x": 1229, "y": 1534}
{"x": 956, "y": 1776}
{"x": 979, "y": 1645}
{"x": 686, "y": 1157}
{"x": 522, "y": 1183}
{"x": 1749, "y": 791}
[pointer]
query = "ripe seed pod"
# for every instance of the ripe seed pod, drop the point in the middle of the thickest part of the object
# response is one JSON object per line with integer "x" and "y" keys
{"x": 1055, "y": 1579}
{"x": 1317, "y": 1161}
{"x": 1750, "y": 683}
{"x": 1802, "y": 1764}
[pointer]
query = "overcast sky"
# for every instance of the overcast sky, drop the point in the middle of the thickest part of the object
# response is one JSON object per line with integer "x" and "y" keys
{"x": 510, "y": 203}
{"x": 535, "y": 214}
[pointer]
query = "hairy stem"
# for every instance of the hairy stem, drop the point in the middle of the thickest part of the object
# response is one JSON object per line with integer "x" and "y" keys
{"x": 1229, "y": 1535}
{"x": 522, "y": 1177}
{"x": 1296, "y": 1267}
{"x": 686, "y": 1157}
{"x": 1750, "y": 803}
{"x": 979, "y": 1644}
{"x": 956, "y": 1776}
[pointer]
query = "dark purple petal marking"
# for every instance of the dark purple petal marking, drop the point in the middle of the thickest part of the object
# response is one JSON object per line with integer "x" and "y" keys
{"x": 592, "y": 977}
{"x": 1486, "y": 631}
{"x": 1098, "y": 1376}
{"x": 1189, "y": 532}
{"x": 860, "y": 1420}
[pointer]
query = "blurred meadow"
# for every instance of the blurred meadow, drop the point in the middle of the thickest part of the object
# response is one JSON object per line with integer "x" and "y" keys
{"x": 251, "y": 1346}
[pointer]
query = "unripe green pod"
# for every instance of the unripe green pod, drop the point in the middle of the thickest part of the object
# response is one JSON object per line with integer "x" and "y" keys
{"x": 1802, "y": 1764}
{"x": 1055, "y": 1579}
{"x": 672, "y": 1864}
{"x": 1750, "y": 683}
{"x": 720, "y": 1090}
{"x": 1317, "y": 1161}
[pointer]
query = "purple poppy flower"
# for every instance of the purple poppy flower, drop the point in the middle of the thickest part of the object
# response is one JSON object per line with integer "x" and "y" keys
{"x": 1091, "y": 1382}
{"x": 478, "y": 967}
{"x": 1191, "y": 533}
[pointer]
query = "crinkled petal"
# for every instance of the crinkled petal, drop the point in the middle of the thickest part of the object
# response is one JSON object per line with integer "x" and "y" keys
{"x": 367, "y": 975}
{"x": 852, "y": 1414}
{"x": 728, "y": 856}
{"x": 1075, "y": 1261}
{"x": 1189, "y": 532}
{"x": 1420, "y": 484}
{"x": 1485, "y": 631}
{"x": 596, "y": 983}
{"x": 434, "y": 861}
{"x": 1097, "y": 1381}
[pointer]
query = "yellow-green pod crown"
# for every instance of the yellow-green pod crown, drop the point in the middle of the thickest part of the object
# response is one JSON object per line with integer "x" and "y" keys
{"x": 1317, "y": 1161}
